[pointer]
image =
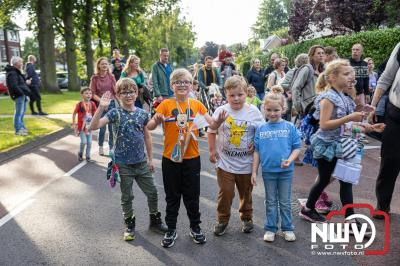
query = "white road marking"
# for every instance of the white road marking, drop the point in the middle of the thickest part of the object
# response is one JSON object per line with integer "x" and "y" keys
{"x": 15, "y": 211}
{"x": 29, "y": 198}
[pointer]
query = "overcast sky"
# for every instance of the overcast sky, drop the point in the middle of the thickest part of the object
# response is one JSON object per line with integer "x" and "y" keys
{"x": 221, "y": 21}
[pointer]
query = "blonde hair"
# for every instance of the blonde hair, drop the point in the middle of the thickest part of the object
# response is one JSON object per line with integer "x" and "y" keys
{"x": 125, "y": 84}
{"x": 276, "y": 95}
{"x": 236, "y": 81}
{"x": 128, "y": 68}
{"x": 180, "y": 73}
{"x": 97, "y": 71}
{"x": 332, "y": 68}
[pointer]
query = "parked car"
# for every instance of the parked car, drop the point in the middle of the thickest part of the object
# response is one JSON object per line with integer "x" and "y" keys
{"x": 3, "y": 86}
{"x": 62, "y": 80}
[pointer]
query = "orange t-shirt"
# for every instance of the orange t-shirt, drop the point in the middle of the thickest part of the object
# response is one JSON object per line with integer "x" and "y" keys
{"x": 170, "y": 111}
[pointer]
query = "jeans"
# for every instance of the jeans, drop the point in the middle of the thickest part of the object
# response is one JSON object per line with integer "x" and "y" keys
{"x": 20, "y": 108}
{"x": 261, "y": 95}
{"x": 278, "y": 192}
{"x": 103, "y": 129}
{"x": 86, "y": 139}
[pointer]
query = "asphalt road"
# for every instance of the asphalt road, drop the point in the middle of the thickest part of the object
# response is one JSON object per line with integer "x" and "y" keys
{"x": 52, "y": 212}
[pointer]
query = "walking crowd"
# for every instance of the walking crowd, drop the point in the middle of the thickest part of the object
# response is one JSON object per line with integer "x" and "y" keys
{"x": 324, "y": 104}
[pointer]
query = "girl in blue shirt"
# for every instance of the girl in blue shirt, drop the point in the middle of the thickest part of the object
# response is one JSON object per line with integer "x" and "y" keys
{"x": 277, "y": 144}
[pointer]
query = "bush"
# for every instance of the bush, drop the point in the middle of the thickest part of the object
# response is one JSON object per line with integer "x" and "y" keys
{"x": 378, "y": 44}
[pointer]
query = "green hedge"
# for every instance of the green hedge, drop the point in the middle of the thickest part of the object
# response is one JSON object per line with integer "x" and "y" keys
{"x": 378, "y": 44}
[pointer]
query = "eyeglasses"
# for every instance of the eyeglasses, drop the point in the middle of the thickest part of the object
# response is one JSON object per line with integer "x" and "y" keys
{"x": 128, "y": 93}
{"x": 182, "y": 82}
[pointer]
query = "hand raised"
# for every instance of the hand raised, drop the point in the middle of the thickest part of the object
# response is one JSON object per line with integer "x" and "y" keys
{"x": 105, "y": 100}
{"x": 222, "y": 116}
{"x": 158, "y": 118}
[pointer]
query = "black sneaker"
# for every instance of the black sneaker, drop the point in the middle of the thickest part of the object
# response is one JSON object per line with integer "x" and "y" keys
{"x": 247, "y": 226}
{"x": 129, "y": 233}
{"x": 312, "y": 216}
{"x": 368, "y": 231}
{"x": 88, "y": 160}
{"x": 198, "y": 236}
{"x": 220, "y": 228}
{"x": 80, "y": 158}
{"x": 169, "y": 238}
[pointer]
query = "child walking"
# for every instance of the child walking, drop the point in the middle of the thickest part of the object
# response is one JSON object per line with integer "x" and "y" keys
{"x": 277, "y": 144}
{"x": 333, "y": 110}
{"x": 231, "y": 148}
{"x": 85, "y": 110}
{"x": 181, "y": 157}
{"x": 131, "y": 137}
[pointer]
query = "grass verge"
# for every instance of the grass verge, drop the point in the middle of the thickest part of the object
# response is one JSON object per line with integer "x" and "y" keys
{"x": 37, "y": 127}
{"x": 63, "y": 103}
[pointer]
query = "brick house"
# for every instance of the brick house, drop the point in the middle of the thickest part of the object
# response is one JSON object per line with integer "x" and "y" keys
{"x": 9, "y": 44}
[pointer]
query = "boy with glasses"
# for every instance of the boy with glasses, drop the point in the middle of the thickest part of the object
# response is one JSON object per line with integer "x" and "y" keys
{"x": 181, "y": 157}
{"x": 131, "y": 136}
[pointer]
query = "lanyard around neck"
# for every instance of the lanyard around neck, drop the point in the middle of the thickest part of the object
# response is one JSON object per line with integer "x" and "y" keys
{"x": 187, "y": 109}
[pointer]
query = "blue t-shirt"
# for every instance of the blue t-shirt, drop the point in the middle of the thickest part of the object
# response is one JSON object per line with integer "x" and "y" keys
{"x": 129, "y": 142}
{"x": 274, "y": 142}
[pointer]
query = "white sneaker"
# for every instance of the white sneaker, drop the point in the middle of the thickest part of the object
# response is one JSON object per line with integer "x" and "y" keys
{"x": 289, "y": 236}
{"x": 101, "y": 150}
{"x": 269, "y": 236}
{"x": 21, "y": 133}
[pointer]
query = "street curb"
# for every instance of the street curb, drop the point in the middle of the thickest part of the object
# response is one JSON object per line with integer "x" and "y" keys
{"x": 40, "y": 141}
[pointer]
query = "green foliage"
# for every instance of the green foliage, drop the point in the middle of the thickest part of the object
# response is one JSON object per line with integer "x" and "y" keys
{"x": 30, "y": 47}
{"x": 272, "y": 16}
{"x": 377, "y": 44}
{"x": 165, "y": 29}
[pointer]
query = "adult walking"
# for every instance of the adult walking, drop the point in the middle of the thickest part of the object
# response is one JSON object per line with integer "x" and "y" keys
{"x": 18, "y": 90}
{"x": 255, "y": 77}
{"x": 390, "y": 166}
{"x": 301, "y": 60}
{"x": 34, "y": 86}
{"x": 361, "y": 69}
{"x": 303, "y": 88}
{"x": 160, "y": 73}
{"x": 133, "y": 71}
{"x": 101, "y": 82}
{"x": 208, "y": 74}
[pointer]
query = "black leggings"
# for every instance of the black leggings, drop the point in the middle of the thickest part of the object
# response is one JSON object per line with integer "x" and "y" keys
{"x": 325, "y": 170}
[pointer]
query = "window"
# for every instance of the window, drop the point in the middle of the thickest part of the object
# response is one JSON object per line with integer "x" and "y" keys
{"x": 15, "y": 52}
{"x": 13, "y": 36}
{"x": 1, "y": 34}
{"x": 3, "y": 53}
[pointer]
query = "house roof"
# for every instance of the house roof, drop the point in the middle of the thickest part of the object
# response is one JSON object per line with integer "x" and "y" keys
{"x": 9, "y": 25}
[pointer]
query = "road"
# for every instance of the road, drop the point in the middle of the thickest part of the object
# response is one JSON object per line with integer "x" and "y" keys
{"x": 56, "y": 211}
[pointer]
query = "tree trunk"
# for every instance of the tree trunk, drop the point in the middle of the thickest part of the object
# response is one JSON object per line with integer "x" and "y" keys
{"x": 73, "y": 81}
{"x": 99, "y": 33}
{"x": 46, "y": 45}
{"x": 113, "y": 36}
{"x": 87, "y": 38}
{"x": 123, "y": 27}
